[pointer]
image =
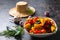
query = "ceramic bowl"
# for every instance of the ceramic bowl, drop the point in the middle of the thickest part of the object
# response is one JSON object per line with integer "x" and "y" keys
{"x": 45, "y": 34}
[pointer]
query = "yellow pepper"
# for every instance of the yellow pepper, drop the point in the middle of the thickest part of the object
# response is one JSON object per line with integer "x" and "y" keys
{"x": 33, "y": 28}
{"x": 42, "y": 21}
{"x": 53, "y": 28}
{"x": 36, "y": 25}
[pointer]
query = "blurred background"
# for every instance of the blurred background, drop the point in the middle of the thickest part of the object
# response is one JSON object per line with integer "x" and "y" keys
{"x": 40, "y": 5}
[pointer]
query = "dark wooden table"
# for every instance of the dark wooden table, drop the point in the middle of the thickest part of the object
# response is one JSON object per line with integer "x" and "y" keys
{"x": 40, "y": 5}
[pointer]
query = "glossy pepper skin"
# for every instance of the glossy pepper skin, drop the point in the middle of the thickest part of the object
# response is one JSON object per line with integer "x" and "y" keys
{"x": 38, "y": 25}
{"x": 48, "y": 25}
{"x": 43, "y": 31}
{"x": 37, "y": 31}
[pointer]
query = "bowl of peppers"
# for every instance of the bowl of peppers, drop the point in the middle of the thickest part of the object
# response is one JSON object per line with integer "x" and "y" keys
{"x": 40, "y": 26}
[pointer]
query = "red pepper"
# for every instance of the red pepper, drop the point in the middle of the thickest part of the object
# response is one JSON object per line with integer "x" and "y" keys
{"x": 31, "y": 21}
{"x": 35, "y": 19}
{"x": 37, "y": 31}
{"x": 43, "y": 31}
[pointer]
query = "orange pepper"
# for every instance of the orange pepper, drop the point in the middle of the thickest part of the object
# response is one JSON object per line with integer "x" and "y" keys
{"x": 37, "y": 26}
{"x": 31, "y": 31}
{"x": 27, "y": 25}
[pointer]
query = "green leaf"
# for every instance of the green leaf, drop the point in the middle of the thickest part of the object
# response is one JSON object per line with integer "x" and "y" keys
{"x": 22, "y": 32}
{"x": 17, "y": 33}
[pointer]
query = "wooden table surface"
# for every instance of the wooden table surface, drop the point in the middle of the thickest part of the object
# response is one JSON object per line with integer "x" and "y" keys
{"x": 40, "y": 5}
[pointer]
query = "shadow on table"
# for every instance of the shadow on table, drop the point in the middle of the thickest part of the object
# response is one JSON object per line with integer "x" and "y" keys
{"x": 52, "y": 37}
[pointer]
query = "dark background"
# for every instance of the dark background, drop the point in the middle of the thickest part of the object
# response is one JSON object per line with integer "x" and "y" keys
{"x": 40, "y": 5}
